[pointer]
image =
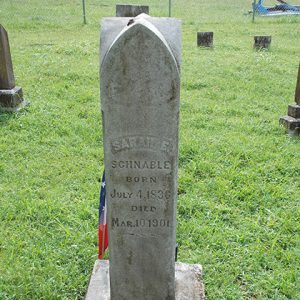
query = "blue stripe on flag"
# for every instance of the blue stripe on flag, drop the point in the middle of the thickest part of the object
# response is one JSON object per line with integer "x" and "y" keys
{"x": 102, "y": 200}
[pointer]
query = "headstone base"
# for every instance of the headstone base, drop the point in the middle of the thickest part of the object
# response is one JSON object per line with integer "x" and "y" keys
{"x": 294, "y": 111}
{"x": 188, "y": 282}
{"x": 291, "y": 124}
{"x": 12, "y": 100}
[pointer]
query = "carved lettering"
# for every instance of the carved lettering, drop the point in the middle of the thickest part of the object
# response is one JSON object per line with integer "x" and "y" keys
{"x": 142, "y": 194}
{"x": 153, "y": 194}
{"x": 143, "y": 208}
{"x": 140, "y": 223}
{"x": 123, "y": 195}
{"x": 137, "y": 164}
{"x": 142, "y": 143}
{"x": 142, "y": 179}
{"x": 115, "y": 222}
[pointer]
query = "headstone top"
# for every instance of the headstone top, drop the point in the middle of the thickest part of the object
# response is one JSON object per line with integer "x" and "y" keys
{"x": 127, "y": 10}
{"x": 297, "y": 93}
{"x": 7, "y": 79}
{"x": 137, "y": 34}
{"x": 169, "y": 28}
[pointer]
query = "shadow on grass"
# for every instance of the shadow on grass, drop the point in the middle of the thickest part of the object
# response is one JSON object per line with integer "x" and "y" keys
{"x": 7, "y": 116}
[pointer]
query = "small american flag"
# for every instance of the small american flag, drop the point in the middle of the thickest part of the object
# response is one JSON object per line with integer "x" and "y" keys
{"x": 102, "y": 225}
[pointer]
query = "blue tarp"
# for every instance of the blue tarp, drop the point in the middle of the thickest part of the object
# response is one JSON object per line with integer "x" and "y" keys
{"x": 281, "y": 9}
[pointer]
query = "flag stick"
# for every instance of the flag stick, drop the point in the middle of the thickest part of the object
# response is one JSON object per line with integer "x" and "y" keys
{"x": 254, "y": 10}
{"x": 83, "y": 11}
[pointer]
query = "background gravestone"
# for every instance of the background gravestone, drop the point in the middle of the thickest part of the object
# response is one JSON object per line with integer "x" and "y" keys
{"x": 205, "y": 39}
{"x": 262, "y": 42}
{"x": 292, "y": 120}
{"x": 131, "y": 10}
{"x": 140, "y": 91}
{"x": 7, "y": 79}
{"x": 11, "y": 97}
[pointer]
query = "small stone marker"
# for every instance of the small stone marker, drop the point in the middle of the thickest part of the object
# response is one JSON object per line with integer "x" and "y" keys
{"x": 205, "y": 39}
{"x": 140, "y": 93}
{"x": 131, "y": 10}
{"x": 262, "y": 42}
{"x": 292, "y": 120}
{"x": 11, "y": 96}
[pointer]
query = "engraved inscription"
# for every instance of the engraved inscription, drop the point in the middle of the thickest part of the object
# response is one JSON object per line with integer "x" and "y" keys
{"x": 143, "y": 208}
{"x": 116, "y": 222}
{"x": 142, "y": 194}
{"x": 142, "y": 179}
{"x": 141, "y": 164}
{"x": 123, "y": 195}
{"x": 142, "y": 143}
{"x": 154, "y": 194}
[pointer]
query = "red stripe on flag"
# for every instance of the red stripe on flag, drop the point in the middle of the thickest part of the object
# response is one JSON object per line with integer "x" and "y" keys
{"x": 102, "y": 239}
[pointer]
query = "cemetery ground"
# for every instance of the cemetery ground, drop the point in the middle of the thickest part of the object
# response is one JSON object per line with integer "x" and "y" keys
{"x": 239, "y": 187}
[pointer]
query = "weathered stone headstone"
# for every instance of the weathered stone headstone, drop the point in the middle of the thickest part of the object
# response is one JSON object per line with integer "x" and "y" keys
{"x": 140, "y": 91}
{"x": 292, "y": 120}
{"x": 127, "y": 10}
{"x": 262, "y": 42}
{"x": 140, "y": 102}
{"x": 205, "y": 39}
{"x": 11, "y": 96}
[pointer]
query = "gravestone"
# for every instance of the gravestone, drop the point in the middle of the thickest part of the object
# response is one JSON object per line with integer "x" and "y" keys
{"x": 11, "y": 96}
{"x": 131, "y": 10}
{"x": 292, "y": 121}
{"x": 205, "y": 39}
{"x": 140, "y": 91}
{"x": 262, "y": 42}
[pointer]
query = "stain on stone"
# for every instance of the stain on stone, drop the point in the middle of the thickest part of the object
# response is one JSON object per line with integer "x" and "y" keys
{"x": 131, "y": 21}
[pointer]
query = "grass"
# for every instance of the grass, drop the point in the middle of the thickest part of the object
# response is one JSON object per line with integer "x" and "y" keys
{"x": 239, "y": 188}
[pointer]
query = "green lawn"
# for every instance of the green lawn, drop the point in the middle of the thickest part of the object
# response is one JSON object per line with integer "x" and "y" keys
{"x": 239, "y": 187}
